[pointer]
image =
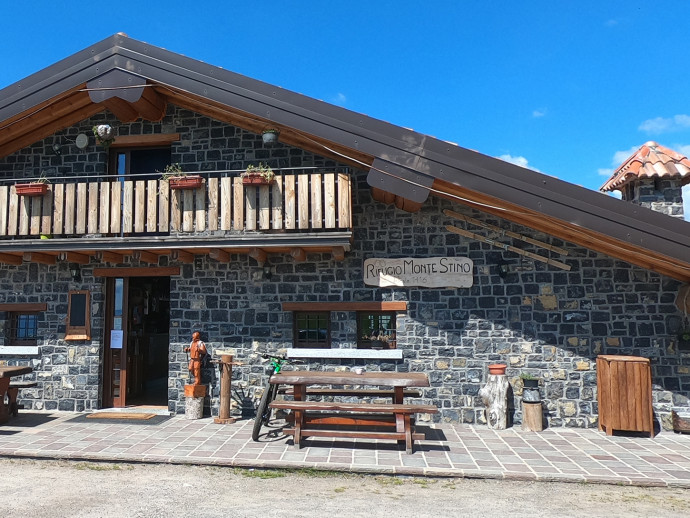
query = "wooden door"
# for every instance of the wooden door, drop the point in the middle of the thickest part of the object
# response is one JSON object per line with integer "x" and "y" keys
{"x": 115, "y": 361}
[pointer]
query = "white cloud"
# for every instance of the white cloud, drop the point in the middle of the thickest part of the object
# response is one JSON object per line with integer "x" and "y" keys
{"x": 605, "y": 172}
{"x": 611, "y": 23}
{"x": 686, "y": 202}
{"x": 683, "y": 149}
{"x": 340, "y": 99}
{"x": 621, "y": 156}
{"x": 665, "y": 125}
{"x": 538, "y": 114}
{"x": 518, "y": 160}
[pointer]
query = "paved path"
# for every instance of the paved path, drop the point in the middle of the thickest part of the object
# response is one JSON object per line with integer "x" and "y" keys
{"x": 559, "y": 454}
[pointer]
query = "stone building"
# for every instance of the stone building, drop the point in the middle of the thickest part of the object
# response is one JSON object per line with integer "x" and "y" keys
{"x": 373, "y": 246}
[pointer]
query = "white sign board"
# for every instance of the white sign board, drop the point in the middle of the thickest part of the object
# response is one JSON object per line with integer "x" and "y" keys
{"x": 430, "y": 272}
{"x": 116, "y": 336}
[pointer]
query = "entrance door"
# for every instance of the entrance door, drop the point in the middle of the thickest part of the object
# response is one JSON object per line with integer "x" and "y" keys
{"x": 137, "y": 338}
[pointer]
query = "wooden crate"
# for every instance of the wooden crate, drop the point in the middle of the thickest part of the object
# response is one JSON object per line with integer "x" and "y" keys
{"x": 624, "y": 386}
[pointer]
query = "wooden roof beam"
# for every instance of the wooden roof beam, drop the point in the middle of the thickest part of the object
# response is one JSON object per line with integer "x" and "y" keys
{"x": 75, "y": 257}
{"x": 298, "y": 254}
{"x": 151, "y": 106}
{"x": 145, "y": 256}
{"x": 338, "y": 253}
{"x": 182, "y": 256}
{"x": 110, "y": 257}
{"x": 219, "y": 255}
{"x": 258, "y": 255}
{"x": 15, "y": 260}
{"x": 47, "y": 129}
{"x": 124, "y": 111}
{"x": 38, "y": 257}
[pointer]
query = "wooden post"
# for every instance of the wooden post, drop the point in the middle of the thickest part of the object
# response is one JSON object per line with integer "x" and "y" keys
{"x": 225, "y": 365}
{"x": 495, "y": 396}
{"x": 532, "y": 417}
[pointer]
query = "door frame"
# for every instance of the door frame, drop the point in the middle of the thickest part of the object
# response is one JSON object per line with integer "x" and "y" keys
{"x": 110, "y": 275}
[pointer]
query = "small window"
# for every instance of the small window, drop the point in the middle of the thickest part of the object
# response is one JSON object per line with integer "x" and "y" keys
{"x": 78, "y": 316}
{"x": 376, "y": 330}
{"x": 312, "y": 329}
{"x": 23, "y": 328}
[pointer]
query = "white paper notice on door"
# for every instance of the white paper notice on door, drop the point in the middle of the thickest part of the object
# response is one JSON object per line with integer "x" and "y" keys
{"x": 116, "y": 338}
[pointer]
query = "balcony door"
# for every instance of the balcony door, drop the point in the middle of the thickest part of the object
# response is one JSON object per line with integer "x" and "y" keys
{"x": 136, "y": 360}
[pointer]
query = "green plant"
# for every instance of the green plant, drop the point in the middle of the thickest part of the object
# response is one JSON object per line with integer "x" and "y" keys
{"x": 527, "y": 376}
{"x": 43, "y": 178}
{"x": 104, "y": 134}
{"x": 172, "y": 171}
{"x": 262, "y": 170}
{"x": 271, "y": 130}
{"x": 684, "y": 335}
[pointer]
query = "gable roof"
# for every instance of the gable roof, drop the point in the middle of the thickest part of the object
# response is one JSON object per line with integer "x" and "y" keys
{"x": 404, "y": 166}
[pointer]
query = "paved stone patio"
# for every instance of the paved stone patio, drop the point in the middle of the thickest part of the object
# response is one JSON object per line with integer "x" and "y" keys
{"x": 452, "y": 450}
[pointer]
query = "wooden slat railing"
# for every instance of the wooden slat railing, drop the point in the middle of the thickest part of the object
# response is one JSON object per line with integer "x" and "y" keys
{"x": 299, "y": 202}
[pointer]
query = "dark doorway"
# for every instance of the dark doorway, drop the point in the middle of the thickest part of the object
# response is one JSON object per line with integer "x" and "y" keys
{"x": 148, "y": 338}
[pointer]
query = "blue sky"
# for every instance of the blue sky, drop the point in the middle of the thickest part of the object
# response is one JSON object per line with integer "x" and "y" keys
{"x": 569, "y": 88}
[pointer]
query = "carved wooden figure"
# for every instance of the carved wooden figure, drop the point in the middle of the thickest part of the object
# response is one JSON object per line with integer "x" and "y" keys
{"x": 197, "y": 349}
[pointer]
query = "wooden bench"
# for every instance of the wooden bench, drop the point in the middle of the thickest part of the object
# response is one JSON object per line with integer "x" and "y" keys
{"x": 13, "y": 392}
{"x": 335, "y": 419}
{"x": 314, "y": 391}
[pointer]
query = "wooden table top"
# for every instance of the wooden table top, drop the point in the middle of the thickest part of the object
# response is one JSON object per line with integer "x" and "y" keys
{"x": 16, "y": 370}
{"x": 389, "y": 379}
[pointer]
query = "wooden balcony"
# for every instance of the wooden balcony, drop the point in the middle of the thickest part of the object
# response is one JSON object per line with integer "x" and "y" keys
{"x": 123, "y": 213}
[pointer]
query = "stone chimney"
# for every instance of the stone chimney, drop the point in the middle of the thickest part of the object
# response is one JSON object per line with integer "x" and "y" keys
{"x": 652, "y": 177}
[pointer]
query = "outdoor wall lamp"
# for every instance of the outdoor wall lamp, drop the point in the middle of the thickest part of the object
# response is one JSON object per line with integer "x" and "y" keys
{"x": 57, "y": 149}
{"x": 502, "y": 268}
{"x": 75, "y": 271}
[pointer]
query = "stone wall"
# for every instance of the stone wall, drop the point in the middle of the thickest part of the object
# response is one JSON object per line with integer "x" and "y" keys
{"x": 537, "y": 318}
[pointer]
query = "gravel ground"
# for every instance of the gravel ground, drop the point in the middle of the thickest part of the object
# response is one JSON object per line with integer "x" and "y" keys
{"x": 38, "y": 489}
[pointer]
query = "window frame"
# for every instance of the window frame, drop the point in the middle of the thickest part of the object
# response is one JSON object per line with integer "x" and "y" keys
{"x": 12, "y": 345}
{"x": 297, "y": 343}
{"x": 78, "y": 332}
{"x": 375, "y": 317}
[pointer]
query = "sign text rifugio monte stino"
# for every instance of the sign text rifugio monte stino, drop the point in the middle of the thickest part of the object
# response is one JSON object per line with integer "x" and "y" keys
{"x": 431, "y": 272}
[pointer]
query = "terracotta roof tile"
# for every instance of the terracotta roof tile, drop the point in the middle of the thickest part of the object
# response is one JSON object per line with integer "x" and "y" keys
{"x": 651, "y": 160}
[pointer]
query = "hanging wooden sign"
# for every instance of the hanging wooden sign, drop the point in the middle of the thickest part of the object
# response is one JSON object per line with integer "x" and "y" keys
{"x": 430, "y": 272}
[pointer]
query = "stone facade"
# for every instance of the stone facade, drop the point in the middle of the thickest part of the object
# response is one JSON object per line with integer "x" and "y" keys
{"x": 534, "y": 317}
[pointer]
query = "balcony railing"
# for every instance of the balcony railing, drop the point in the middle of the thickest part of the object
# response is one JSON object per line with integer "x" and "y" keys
{"x": 307, "y": 202}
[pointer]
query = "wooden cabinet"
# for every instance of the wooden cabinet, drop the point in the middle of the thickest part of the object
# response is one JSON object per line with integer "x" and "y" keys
{"x": 624, "y": 385}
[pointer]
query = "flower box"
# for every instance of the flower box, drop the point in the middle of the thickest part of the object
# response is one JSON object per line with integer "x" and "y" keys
{"x": 31, "y": 189}
{"x": 256, "y": 180}
{"x": 186, "y": 182}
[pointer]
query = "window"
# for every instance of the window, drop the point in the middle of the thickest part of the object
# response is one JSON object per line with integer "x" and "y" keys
{"x": 23, "y": 328}
{"x": 312, "y": 329}
{"x": 376, "y": 330}
{"x": 78, "y": 316}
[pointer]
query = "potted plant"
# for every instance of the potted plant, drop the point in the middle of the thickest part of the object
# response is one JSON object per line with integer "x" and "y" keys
{"x": 258, "y": 175}
{"x": 105, "y": 135}
{"x": 178, "y": 179}
{"x": 36, "y": 188}
{"x": 382, "y": 339}
{"x": 270, "y": 136}
{"x": 528, "y": 380}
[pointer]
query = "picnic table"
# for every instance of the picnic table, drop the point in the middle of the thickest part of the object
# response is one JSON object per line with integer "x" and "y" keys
{"x": 353, "y": 419}
{"x": 6, "y": 373}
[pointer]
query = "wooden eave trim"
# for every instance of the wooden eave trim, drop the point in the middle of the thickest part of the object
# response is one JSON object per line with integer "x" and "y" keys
{"x": 586, "y": 238}
{"x": 24, "y": 306}
{"x": 346, "y": 306}
{"x": 166, "y": 271}
{"x": 157, "y": 139}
